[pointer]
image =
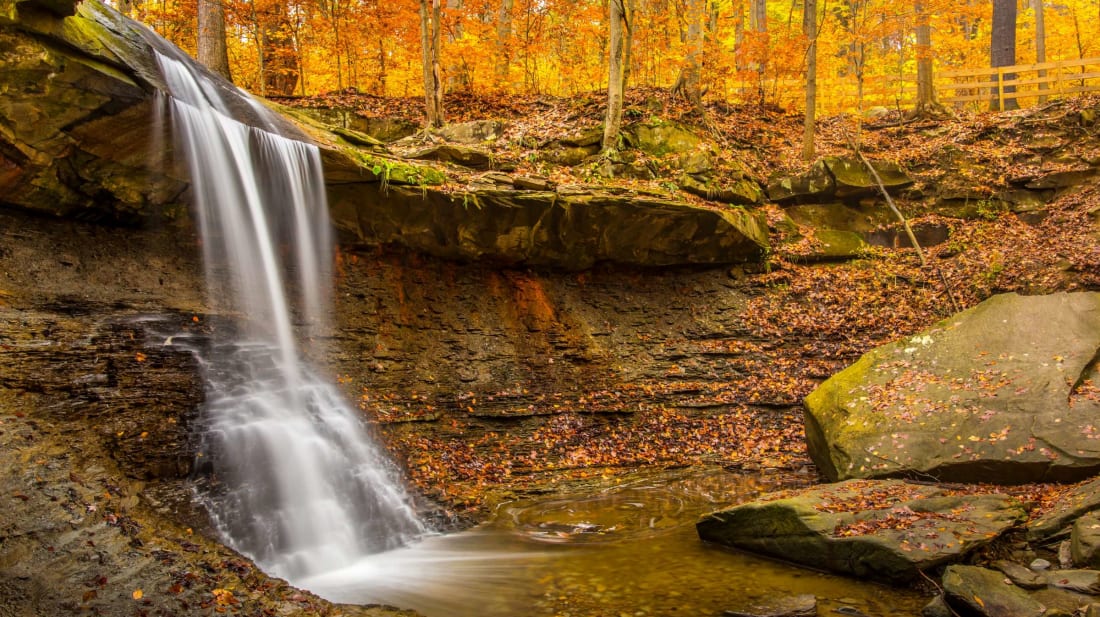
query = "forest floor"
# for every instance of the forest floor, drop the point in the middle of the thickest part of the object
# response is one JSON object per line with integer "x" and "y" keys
{"x": 827, "y": 314}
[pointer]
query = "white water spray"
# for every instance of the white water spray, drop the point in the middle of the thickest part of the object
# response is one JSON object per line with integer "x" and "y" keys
{"x": 303, "y": 489}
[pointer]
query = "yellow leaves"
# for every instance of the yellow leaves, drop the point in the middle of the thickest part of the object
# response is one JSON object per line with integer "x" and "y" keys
{"x": 224, "y": 597}
{"x": 140, "y": 357}
{"x": 137, "y": 594}
{"x": 979, "y": 601}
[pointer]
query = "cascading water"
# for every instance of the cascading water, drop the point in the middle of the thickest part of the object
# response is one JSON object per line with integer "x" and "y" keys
{"x": 302, "y": 488}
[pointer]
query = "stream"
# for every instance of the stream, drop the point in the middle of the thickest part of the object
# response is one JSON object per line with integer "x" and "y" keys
{"x": 628, "y": 549}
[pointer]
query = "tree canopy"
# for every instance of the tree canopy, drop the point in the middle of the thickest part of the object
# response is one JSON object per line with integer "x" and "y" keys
{"x": 561, "y": 47}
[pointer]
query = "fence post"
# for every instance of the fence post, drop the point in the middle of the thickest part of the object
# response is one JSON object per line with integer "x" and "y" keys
{"x": 1000, "y": 89}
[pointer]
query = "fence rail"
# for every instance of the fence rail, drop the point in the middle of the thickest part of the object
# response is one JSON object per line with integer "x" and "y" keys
{"x": 1026, "y": 84}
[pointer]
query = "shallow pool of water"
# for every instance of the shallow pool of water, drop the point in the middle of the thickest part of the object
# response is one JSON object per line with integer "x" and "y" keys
{"x": 628, "y": 549}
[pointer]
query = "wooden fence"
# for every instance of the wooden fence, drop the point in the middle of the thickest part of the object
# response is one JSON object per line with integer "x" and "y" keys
{"x": 1027, "y": 84}
{"x": 835, "y": 94}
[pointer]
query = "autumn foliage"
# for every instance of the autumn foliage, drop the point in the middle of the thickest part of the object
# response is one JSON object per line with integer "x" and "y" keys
{"x": 866, "y": 52}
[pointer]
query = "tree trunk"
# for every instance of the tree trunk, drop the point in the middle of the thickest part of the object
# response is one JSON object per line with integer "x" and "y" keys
{"x": 380, "y": 76}
{"x": 738, "y": 33}
{"x": 926, "y": 88}
{"x": 458, "y": 72}
{"x": 332, "y": 10}
{"x": 1002, "y": 52}
{"x": 430, "y": 13}
{"x": 758, "y": 23}
{"x": 613, "y": 120}
{"x": 1040, "y": 44}
{"x": 212, "y": 51}
{"x": 854, "y": 23}
{"x": 689, "y": 82}
{"x": 628, "y": 40}
{"x": 758, "y": 16}
{"x": 280, "y": 55}
{"x": 504, "y": 44}
{"x": 809, "y": 26}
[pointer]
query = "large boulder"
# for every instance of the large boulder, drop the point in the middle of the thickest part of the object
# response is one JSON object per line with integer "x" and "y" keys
{"x": 886, "y": 530}
{"x": 661, "y": 138}
{"x": 467, "y": 156}
{"x": 815, "y": 186}
{"x": 838, "y": 178}
{"x": 1072, "y": 505}
{"x": 1085, "y": 541}
{"x": 854, "y": 180}
{"x": 971, "y": 590}
{"x": 833, "y": 245}
{"x": 1002, "y": 392}
{"x": 474, "y": 132}
{"x": 69, "y": 112}
{"x": 743, "y": 191}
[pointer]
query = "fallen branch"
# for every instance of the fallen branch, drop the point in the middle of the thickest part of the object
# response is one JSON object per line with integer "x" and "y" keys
{"x": 904, "y": 221}
{"x": 940, "y": 589}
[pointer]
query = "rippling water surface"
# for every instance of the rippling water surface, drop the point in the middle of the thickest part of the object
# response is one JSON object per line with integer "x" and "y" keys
{"x": 623, "y": 550}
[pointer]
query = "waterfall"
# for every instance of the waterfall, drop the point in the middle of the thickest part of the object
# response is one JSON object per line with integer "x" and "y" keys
{"x": 301, "y": 487}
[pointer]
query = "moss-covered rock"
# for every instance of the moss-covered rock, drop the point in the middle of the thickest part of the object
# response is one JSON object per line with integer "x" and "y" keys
{"x": 997, "y": 393}
{"x": 859, "y": 218}
{"x": 837, "y": 178}
{"x": 853, "y": 180}
{"x": 466, "y": 156}
{"x": 834, "y": 245}
{"x": 738, "y": 192}
{"x": 473, "y": 132}
{"x": 970, "y": 590}
{"x": 885, "y": 530}
{"x": 1085, "y": 541}
{"x": 570, "y": 156}
{"x": 661, "y": 138}
{"x": 583, "y": 138}
{"x": 698, "y": 163}
{"x": 815, "y": 186}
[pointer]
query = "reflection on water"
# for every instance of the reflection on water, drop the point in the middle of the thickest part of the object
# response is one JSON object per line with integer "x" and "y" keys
{"x": 630, "y": 549}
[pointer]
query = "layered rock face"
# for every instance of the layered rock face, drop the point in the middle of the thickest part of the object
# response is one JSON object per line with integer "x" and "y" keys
{"x": 572, "y": 230}
{"x": 97, "y": 409}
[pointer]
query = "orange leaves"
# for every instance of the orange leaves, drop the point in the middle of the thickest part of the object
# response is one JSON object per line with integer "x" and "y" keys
{"x": 458, "y": 466}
